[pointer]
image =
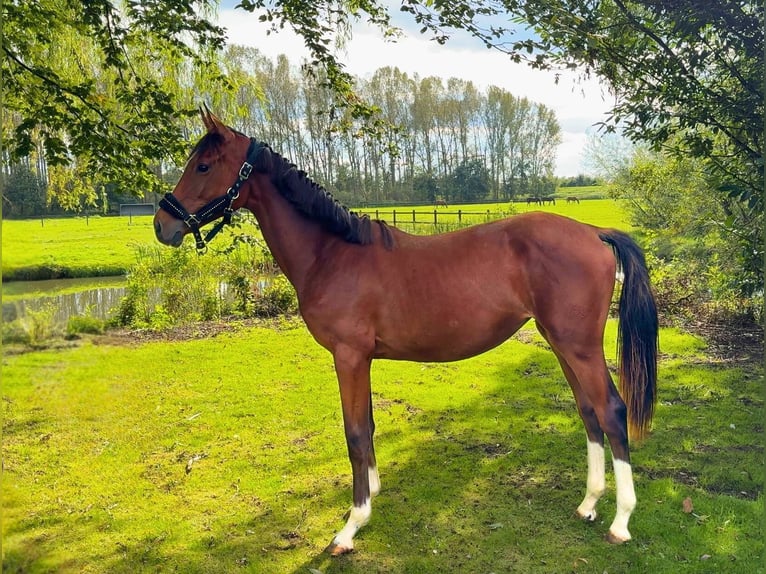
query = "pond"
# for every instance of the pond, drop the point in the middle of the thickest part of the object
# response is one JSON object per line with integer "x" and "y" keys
{"x": 64, "y": 298}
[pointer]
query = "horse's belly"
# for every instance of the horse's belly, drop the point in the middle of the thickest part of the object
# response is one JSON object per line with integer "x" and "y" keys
{"x": 444, "y": 341}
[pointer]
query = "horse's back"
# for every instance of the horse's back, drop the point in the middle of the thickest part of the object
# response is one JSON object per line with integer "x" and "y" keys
{"x": 453, "y": 295}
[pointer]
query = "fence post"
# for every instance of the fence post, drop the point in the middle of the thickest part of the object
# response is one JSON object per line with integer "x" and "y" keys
{"x": 394, "y": 216}
{"x": 436, "y": 217}
{"x": 413, "y": 216}
{"x": 377, "y": 215}
{"x": 460, "y": 216}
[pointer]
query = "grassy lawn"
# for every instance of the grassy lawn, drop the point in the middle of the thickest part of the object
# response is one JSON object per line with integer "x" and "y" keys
{"x": 72, "y": 247}
{"x": 101, "y": 246}
{"x": 226, "y": 454}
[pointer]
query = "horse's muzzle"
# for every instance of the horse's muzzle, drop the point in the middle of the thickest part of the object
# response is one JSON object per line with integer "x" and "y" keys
{"x": 174, "y": 241}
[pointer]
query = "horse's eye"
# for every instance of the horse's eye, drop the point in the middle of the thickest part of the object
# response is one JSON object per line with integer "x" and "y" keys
{"x": 203, "y": 167}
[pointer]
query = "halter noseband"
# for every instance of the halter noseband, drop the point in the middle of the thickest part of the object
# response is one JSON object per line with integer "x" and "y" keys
{"x": 219, "y": 206}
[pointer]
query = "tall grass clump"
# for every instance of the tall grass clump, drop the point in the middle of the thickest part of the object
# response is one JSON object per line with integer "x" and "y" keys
{"x": 33, "y": 329}
{"x": 167, "y": 287}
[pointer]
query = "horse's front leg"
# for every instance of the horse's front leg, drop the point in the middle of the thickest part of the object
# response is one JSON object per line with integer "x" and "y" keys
{"x": 353, "y": 370}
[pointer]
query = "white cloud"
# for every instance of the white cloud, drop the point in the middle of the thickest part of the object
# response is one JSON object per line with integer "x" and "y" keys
{"x": 578, "y": 104}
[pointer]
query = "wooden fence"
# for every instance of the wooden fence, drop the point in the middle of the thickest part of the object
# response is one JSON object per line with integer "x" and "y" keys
{"x": 435, "y": 217}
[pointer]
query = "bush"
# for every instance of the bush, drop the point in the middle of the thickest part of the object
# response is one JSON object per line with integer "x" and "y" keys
{"x": 167, "y": 287}
{"x": 34, "y": 328}
{"x": 84, "y": 324}
{"x": 278, "y": 298}
{"x": 15, "y": 333}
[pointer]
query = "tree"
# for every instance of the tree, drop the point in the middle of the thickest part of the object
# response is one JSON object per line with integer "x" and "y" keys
{"x": 82, "y": 78}
{"x": 687, "y": 75}
{"x": 73, "y": 188}
{"x": 23, "y": 192}
{"x": 469, "y": 181}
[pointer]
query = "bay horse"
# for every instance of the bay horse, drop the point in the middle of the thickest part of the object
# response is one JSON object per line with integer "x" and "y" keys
{"x": 441, "y": 203}
{"x": 573, "y": 199}
{"x": 370, "y": 291}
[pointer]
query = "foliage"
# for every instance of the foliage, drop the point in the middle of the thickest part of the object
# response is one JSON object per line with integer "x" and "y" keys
{"x": 277, "y": 298}
{"x": 469, "y": 182}
{"x": 687, "y": 77}
{"x": 84, "y": 324}
{"x": 74, "y": 188}
{"x": 35, "y": 329}
{"x": 168, "y": 287}
{"x": 83, "y": 78}
{"x": 677, "y": 204}
{"x": 23, "y": 192}
{"x": 580, "y": 180}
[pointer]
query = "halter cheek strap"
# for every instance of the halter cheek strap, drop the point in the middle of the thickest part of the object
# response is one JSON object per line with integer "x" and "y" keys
{"x": 221, "y": 206}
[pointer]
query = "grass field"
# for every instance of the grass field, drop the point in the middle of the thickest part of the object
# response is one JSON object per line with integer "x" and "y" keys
{"x": 226, "y": 454}
{"x": 98, "y": 246}
{"x": 72, "y": 247}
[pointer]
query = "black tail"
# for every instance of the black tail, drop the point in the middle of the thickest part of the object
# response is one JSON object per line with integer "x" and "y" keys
{"x": 637, "y": 335}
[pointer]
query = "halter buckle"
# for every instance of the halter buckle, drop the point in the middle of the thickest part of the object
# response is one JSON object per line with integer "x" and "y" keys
{"x": 245, "y": 170}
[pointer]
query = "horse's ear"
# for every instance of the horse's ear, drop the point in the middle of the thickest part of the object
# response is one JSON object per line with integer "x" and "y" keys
{"x": 213, "y": 124}
{"x": 206, "y": 116}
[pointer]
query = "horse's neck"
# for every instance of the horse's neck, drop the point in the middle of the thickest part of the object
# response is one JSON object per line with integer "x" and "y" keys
{"x": 294, "y": 240}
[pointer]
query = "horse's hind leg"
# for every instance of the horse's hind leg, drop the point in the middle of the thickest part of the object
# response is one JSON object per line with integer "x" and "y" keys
{"x": 603, "y": 412}
{"x": 596, "y": 482}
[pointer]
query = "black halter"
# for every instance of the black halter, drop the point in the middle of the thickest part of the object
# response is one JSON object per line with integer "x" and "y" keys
{"x": 215, "y": 208}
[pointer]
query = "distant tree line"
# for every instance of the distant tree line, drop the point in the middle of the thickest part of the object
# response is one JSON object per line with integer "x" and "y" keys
{"x": 445, "y": 139}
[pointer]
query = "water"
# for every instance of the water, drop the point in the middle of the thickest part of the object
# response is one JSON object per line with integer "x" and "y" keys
{"x": 63, "y": 298}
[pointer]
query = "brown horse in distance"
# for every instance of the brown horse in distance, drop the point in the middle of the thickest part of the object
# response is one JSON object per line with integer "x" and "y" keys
{"x": 370, "y": 291}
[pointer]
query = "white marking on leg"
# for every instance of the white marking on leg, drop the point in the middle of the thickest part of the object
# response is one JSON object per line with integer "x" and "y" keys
{"x": 626, "y": 500}
{"x": 372, "y": 473}
{"x": 358, "y": 517}
{"x": 596, "y": 482}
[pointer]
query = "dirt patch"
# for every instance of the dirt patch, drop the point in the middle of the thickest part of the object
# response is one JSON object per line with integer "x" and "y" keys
{"x": 192, "y": 331}
{"x": 731, "y": 341}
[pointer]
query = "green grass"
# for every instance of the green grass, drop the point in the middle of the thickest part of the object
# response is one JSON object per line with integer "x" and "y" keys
{"x": 72, "y": 247}
{"x": 102, "y": 246}
{"x": 600, "y": 212}
{"x": 482, "y": 462}
{"x": 581, "y": 192}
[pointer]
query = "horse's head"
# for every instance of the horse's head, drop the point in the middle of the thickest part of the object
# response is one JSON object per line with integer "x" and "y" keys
{"x": 210, "y": 187}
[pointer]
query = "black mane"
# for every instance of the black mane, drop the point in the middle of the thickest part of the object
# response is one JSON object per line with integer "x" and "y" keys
{"x": 306, "y": 196}
{"x": 318, "y": 204}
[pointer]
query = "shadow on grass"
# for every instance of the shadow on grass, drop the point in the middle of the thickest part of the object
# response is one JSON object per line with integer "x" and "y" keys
{"x": 487, "y": 481}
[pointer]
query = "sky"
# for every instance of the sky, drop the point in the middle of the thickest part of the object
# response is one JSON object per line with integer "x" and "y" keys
{"x": 578, "y": 105}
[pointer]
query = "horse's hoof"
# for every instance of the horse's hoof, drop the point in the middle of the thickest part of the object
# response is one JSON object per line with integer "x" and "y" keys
{"x": 335, "y": 549}
{"x": 587, "y": 517}
{"x": 613, "y": 538}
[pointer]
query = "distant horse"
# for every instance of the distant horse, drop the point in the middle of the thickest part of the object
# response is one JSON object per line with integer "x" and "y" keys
{"x": 573, "y": 199}
{"x": 441, "y": 203}
{"x": 534, "y": 200}
{"x": 370, "y": 291}
{"x": 548, "y": 199}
